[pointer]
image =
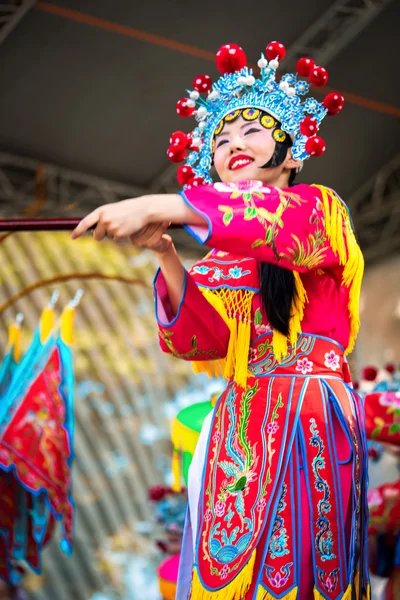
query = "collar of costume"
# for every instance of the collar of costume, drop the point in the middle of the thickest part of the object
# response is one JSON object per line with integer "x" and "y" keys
{"x": 238, "y": 89}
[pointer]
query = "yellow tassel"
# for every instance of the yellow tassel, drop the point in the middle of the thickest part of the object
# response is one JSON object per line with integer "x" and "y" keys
{"x": 348, "y": 593}
{"x": 367, "y": 595}
{"x": 67, "y": 325}
{"x": 318, "y": 595}
{"x": 280, "y": 345}
{"x": 242, "y": 352}
{"x": 344, "y": 244}
{"x": 231, "y": 354}
{"x": 176, "y": 472}
{"x": 357, "y": 584}
{"x": 299, "y": 301}
{"x": 279, "y": 341}
{"x": 47, "y": 323}
{"x": 235, "y": 590}
{"x": 234, "y": 306}
{"x": 14, "y": 341}
{"x": 263, "y": 594}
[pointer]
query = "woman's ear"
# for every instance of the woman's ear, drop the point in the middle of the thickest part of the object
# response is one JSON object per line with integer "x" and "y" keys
{"x": 290, "y": 162}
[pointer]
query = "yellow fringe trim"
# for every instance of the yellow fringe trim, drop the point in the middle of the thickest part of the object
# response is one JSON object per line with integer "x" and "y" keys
{"x": 263, "y": 594}
{"x": 14, "y": 341}
{"x": 234, "y": 306}
{"x": 176, "y": 472}
{"x": 233, "y": 591}
{"x": 279, "y": 341}
{"x": 367, "y": 596}
{"x": 344, "y": 244}
{"x": 357, "y": 584}
{"x": 346, "y": 596}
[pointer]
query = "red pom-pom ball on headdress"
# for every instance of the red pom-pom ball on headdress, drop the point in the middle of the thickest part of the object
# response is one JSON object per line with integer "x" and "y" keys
{"x": 184, "y": 174}
{"x": 230, "y": 58}
{"x": 304, "y": 66}
{"x": 318, "y": 76}
{"x": 183, "y": 109}
{"x": 179, "y": 138}
{"x": 369, "y": 373}
{"x": 176, "y": 154}
{"x": 315, "y": 146}
{"x": 308, "y": 126}
{"x": 196, "y": 181}
{"x": 275, "y": 51}
{"x": 334, "y": 103}
{"x": 202, "y": 84}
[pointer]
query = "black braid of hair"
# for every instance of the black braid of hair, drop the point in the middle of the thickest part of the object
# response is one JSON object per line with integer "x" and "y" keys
{"x": 277, "y": 285}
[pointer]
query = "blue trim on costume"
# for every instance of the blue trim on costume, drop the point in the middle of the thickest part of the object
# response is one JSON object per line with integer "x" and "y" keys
{"x": 200, "y": 508}
{"x": 299, "y": 521}
{"x": 294, "y": 519}
{"x": 198, "y": 212}
{"x": 288, "y": 446}
{"x": 225, "y": 262}
{"x": 174, "y": 320}
{"x": 340, "y": 543}
{"x": 227, "y": 287}
{"x": 345, "y": 427}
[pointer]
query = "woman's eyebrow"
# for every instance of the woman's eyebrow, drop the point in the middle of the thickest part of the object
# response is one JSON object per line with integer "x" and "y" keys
{"x": 249, "y": 123}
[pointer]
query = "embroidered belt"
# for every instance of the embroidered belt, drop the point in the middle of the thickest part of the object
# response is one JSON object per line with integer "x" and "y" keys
{"x": 312, "y": 355}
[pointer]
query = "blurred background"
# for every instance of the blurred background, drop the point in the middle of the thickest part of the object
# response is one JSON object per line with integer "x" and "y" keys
{"x": 87, "y": 104}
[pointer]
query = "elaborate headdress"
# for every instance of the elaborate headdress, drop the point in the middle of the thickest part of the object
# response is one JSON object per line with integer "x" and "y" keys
{"x": 238, "y": 90}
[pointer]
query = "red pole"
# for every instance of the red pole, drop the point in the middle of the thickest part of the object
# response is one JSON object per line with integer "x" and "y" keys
{"x": 38, "y": 224}
{"x": 41, "y": 224}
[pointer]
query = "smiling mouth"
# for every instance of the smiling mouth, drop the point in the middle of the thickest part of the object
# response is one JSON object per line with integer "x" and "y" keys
{"x": 239, "y": 162}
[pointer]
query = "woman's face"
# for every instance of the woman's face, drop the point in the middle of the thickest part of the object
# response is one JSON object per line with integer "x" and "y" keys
{"x": 243, "y": 147}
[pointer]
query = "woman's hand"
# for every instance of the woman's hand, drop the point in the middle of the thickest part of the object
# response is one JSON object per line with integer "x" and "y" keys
{"x": 153, "y": 237}
{"x": 123, "y": 219}
{"x": 118, "y": 220}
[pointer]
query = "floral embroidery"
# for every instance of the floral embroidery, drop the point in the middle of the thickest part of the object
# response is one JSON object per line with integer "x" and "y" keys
{"x": 249, "y": 191}
{"x": 304, "y": 366}
{"x": 229, "y": 527}
{"x": 279, "y": 537}
{"x": 216, "y": 437}
{"x": 252, "y": 355}
{"x": 279, "y": 578}
{"x": 324, "y": 538}
{"x": 233, "y": 273}
{"x": 330, "y": 581}
{"x": 272, "y": 427}
{"x": 258, "y": 324}
{"x": 332, "y": 360}
{"x": 166, "y": 336}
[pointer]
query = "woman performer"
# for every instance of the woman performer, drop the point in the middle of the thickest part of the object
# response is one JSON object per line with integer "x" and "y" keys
{"x": 277, "y": 488}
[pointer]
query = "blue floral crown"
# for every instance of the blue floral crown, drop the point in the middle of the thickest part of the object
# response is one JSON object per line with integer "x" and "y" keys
{"x": 236, "y": 90}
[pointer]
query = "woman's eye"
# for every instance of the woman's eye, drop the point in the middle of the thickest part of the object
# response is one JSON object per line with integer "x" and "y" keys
{"x": 221, "y": 142}
{"x": 252, "y": 130}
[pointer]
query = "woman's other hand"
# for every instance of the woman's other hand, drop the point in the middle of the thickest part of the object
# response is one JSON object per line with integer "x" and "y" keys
{"x": 153, "y": 237}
